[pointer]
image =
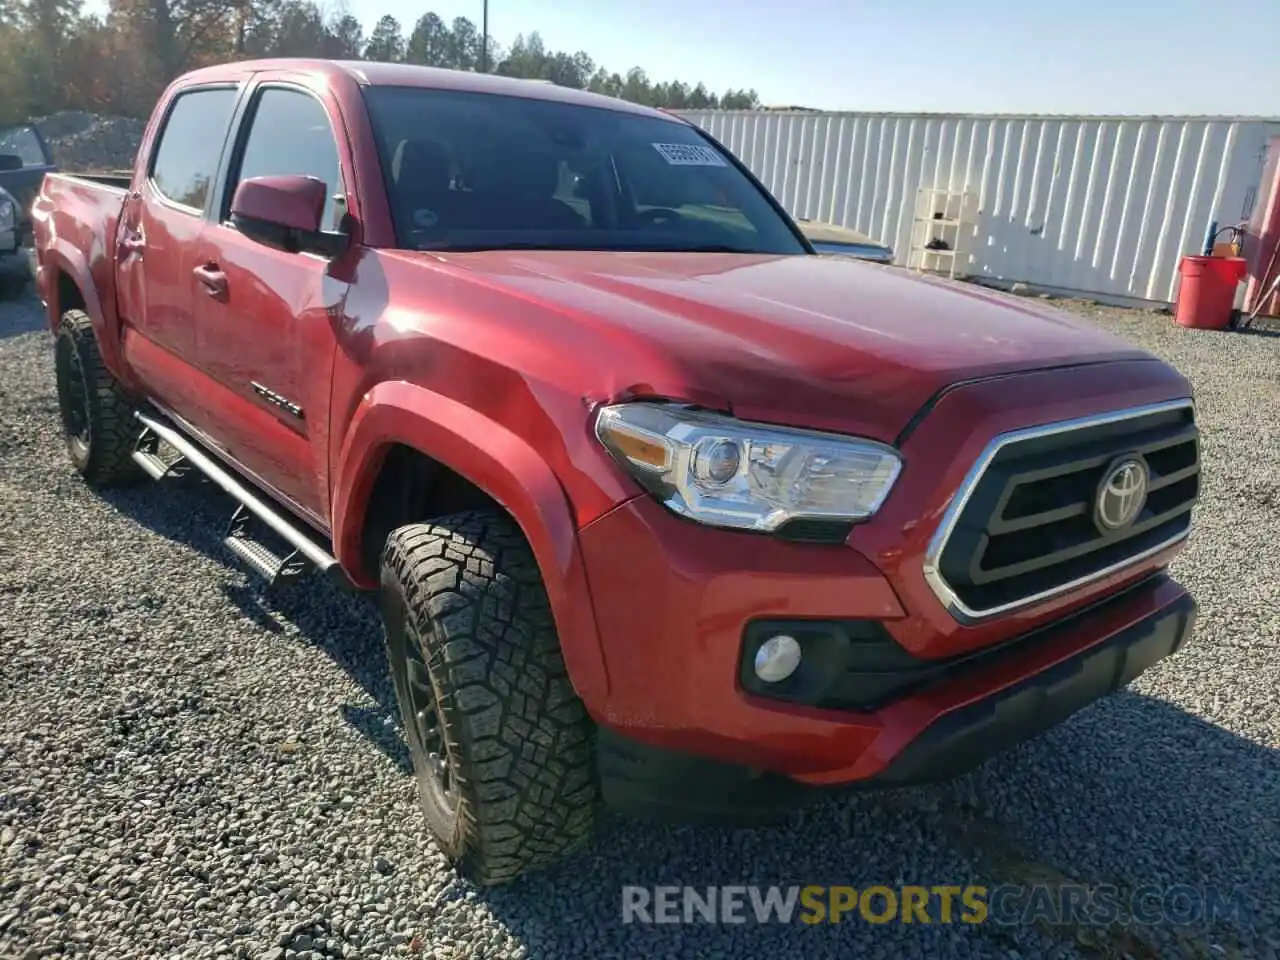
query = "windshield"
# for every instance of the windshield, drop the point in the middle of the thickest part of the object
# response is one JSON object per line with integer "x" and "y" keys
{"x": 469, "y": 171}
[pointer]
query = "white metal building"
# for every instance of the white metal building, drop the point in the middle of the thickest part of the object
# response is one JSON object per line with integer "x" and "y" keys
{"x": 1096, "y": 206}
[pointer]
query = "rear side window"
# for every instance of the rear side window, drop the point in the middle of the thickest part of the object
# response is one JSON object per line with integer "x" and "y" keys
{"x": 187, "y": 157}
{"x": 290, "y": 134}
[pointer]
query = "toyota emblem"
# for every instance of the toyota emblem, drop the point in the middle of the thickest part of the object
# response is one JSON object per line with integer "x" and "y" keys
{"x": 1122, "y": 494}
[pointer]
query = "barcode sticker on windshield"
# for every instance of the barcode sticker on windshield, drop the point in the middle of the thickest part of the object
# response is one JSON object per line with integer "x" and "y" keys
{"x": 689, "y": 155}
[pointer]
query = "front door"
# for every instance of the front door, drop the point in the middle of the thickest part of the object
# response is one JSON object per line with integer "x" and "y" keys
{"x": 156, "y": 242}
{"x": 268, "y": 318}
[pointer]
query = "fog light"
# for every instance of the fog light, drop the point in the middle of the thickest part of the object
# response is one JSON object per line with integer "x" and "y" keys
{"x": 777, "y": 658}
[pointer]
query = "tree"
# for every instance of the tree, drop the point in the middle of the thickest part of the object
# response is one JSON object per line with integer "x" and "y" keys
{"x": 609, "y": 84}
{"x": 463, "y": 45}
{"x": 41, "y": 32}
{"x": 299, "y": 30}
{"x": 385, "y": 43}
{"x": 739, "y": 100}
{"x": 700, "y": 99}
{"x": 526, "y": 58}
{"x": 636, "y": 88}
{"x": 430, "y": 42}
{"x": 52, "y": 57}
{"x": 344, "y": 38}
{"x": 173, "y": 36}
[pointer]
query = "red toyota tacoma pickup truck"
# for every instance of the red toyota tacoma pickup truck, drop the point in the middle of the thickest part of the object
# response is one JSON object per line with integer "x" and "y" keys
{"x": 663, "y": 509}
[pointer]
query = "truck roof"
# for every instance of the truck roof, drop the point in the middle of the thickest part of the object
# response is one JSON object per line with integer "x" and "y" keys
{"x": 376, "y": 73}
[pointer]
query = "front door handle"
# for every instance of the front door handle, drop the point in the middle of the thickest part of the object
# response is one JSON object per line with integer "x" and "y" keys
{"x": 212, "y": 279}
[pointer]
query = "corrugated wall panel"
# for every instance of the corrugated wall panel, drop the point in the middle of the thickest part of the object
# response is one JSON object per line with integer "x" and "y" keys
{"x": 1096, "y": 205}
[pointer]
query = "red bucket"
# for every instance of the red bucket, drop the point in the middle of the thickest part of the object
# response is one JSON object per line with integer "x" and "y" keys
{"x": 1207, "y": 292}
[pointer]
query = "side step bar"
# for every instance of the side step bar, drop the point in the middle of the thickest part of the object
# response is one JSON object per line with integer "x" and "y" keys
{"x": 306, "y": 552}
{"x": 147, "y": 456}
{"x": 259, "y": 557}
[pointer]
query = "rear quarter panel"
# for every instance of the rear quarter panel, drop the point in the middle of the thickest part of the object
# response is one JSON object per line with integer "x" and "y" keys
{"x": 74, "y": 223}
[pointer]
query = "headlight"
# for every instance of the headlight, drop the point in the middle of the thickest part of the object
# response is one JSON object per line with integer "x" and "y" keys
{"x": 8, "y": 214}
{"x": 748, "y": 476}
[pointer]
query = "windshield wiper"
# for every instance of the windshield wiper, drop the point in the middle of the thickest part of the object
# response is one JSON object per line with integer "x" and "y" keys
{"x": 504, "y": 245}
{"x": 712, "y": 248}
{"x": 612, "y": 247}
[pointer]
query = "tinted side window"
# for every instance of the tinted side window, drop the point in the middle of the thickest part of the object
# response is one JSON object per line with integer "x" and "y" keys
{"x": 187, "y": 158}
{"x": 290, "y": 135}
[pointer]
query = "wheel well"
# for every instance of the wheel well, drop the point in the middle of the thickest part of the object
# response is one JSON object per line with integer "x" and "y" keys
{"x": 412, "y": 487}
{"x": 69, "y": 295}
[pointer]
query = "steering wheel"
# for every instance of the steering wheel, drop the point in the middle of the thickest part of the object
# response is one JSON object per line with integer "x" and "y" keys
{"x": 655, "y": 215}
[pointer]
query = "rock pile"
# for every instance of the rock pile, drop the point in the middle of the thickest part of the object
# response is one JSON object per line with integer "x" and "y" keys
{"x": 83, "y": 142}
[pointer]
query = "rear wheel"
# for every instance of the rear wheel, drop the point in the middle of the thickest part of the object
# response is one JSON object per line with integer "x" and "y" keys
{"x": 502, "y": 747}
{"x": 97, "y": 417}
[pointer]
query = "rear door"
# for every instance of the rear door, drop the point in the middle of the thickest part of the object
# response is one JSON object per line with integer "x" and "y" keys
{"x": 157, "y": 238}
{"x": 267, "y": 326}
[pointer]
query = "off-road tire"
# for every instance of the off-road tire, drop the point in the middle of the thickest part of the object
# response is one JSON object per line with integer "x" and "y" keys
{"x": 520, "y": 746}
{"x": 105, "y": 458}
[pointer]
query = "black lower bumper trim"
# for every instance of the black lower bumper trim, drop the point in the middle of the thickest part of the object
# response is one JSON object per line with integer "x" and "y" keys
{"x": 964, "y": 738}
{"x": 648, "y": 781}
{"x": 641, "y": 779}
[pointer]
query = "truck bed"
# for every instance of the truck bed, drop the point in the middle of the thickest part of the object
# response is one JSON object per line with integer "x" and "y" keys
{"x": 120, "y": 179}
{"x": 82, "y": 211}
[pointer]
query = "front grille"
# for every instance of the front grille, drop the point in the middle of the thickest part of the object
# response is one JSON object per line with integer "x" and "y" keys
{"x": 1024, "y": 526}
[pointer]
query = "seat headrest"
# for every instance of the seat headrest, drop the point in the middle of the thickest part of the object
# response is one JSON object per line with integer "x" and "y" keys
{"x": 423, "y": 161}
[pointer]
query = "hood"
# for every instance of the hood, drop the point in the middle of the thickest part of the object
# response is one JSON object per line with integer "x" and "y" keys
{"x": 819, "y": 341}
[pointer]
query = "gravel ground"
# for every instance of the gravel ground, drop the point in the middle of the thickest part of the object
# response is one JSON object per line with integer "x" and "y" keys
{"x": 190, "y": 767}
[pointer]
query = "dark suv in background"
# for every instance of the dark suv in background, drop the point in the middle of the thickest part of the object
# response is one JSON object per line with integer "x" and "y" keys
{"x": 24, "y": 160}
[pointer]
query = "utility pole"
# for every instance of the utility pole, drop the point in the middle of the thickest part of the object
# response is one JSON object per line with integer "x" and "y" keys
{"x": 484, "y": 40}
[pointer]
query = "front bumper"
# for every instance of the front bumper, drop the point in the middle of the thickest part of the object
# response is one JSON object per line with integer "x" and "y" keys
{"x": 648, "y": 780}
{"x": 674, "y": 602}
{"x": 963, "y": 738}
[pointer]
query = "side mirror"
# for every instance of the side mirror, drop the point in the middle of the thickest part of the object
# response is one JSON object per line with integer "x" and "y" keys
{"x": 10, "y": 162}
{"x": 285, "y": 212}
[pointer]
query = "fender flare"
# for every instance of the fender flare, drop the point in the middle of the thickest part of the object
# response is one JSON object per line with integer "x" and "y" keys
{"x": 507, "y": 469}
{"x": 62, "y": 257}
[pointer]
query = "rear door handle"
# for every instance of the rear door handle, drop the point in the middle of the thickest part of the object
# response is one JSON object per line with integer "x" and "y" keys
{"x": 213, "y": 280}
{"x": 132, "y": 243}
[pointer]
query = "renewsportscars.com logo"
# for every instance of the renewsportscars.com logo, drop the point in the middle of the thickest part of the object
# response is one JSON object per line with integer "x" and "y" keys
{"x": 1008, "y": 904}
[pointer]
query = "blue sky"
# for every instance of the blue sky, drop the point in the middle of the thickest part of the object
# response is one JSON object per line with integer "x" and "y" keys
{"x": 1072, "y": 56}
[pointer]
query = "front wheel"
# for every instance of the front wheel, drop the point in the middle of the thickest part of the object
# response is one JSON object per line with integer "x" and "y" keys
{"x": 502, "y": 748}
